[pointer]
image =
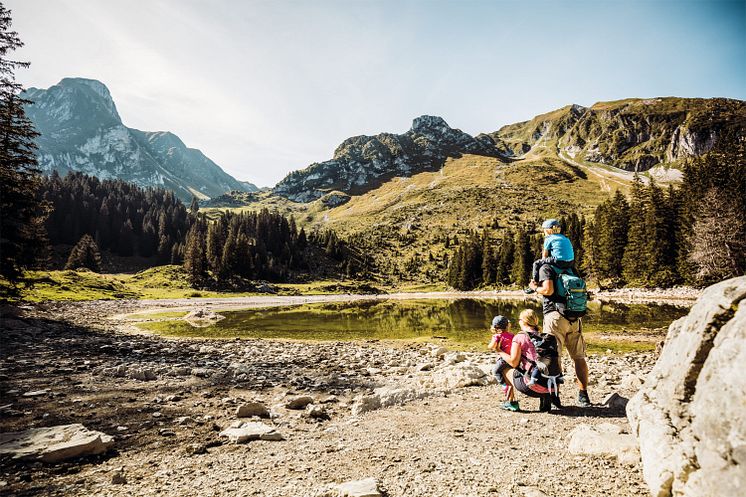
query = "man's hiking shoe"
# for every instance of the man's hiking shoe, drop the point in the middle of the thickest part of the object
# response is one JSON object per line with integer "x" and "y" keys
{"x": 529, "y": 291}
{"x": 555, "y": 400}
{"x": 545, "y": 404}
{"x": 583, "y": 400}
{"x": 511, "y": 406}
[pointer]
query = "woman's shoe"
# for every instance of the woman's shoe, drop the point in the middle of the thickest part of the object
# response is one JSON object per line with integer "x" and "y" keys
{"x": 511, "y": 406}
{"x": 545, "y": 404}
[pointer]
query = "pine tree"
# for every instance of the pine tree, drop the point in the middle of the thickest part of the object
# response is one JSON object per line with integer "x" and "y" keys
{"x": 195, "y": 260}
{"x": 194, "y": 206}
{"x": 489, "y": 260}
{"x": 635, "y": 268}
{"x": 610, "y": 238}
{"x": 712, "y": 217}
{"x": 505, "y": 258}
{"x": 660, "y": 246}
{"x": 588, "y": 263}
{"x": 520, "y": 273}
{"x": 85, "y": 254}
{"x": 23, "y": 240}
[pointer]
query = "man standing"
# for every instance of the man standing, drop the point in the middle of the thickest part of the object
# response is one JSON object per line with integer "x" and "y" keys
{"x": 569, "y": 334}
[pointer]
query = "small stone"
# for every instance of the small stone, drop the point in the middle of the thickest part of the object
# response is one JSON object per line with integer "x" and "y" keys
{"x": 615, "y": 401}
{"x": 118, "y": 477}
{"x": 299, "y": 402}
{"x": 36, "y": 393}
{"x": 316, "y": 412}
{"x": 359, "y": 488}
{"x": 252, "y": 409}
{"x": 251, "y": 431}
{"x": 438, "y": 352}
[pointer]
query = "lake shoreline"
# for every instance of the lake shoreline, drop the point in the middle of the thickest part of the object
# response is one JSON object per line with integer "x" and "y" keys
{"x": 684, "y": 296}
{"x": 166, "y": 400}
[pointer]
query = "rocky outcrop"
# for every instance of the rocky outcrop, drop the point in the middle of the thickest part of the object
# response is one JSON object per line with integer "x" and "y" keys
{"x": 361, "y": 163}
{"x": 690, "y": 415}
{"x": 54, "y": 443}
{"x": 81, "y": 131}
{"x": 632, "y": 134}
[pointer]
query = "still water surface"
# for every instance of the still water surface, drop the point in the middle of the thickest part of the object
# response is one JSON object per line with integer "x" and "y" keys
{"x": 615, "y": 326}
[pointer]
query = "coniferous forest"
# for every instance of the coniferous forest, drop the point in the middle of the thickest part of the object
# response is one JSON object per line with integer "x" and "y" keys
{"x": 694, "y": 234}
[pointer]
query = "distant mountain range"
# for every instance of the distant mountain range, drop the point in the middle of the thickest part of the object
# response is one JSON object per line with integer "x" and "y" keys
{"x": 81, "y": 131}
{"x": 631, "y": 135}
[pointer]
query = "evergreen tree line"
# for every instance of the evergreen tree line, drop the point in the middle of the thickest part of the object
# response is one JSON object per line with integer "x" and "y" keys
{"x": 489, "y": 259}
{"x": 121, "y": 217}
{"x": 239, "y": 247}
{"x": 656, "y": 237}
{"x": 694, "y": 234}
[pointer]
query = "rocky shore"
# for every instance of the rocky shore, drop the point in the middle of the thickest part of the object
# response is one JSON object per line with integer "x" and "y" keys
{"x": 282, "y": 418}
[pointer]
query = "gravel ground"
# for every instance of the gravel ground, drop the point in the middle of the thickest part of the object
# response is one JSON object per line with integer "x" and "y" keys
{"x": 93, "y": 370}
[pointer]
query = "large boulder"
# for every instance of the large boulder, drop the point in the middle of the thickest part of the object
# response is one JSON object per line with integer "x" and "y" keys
{"x": 54, "y": 443}
{"x": 690, "y": 414}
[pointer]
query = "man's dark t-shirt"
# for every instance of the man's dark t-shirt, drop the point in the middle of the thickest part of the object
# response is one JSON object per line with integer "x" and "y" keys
{"x": 550, "y": 302}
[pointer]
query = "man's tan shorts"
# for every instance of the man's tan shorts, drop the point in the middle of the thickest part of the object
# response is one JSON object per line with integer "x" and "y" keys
{"x": 569, "y": 335}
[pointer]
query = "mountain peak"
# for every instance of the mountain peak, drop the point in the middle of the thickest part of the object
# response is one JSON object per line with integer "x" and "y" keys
{"x": 80, "y": 129}
{"x": 424, "y": 124}
{"x": 97, "y": 86}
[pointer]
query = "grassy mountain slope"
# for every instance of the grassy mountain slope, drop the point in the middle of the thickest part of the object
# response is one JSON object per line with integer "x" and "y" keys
{"x": 403, "y": 223}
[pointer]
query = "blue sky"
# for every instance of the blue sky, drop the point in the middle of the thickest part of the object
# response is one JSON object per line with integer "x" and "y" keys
{"x": 267, "y": 87}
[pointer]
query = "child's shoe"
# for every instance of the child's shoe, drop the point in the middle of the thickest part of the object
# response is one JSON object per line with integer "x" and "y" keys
{"x": 511, "y": 406}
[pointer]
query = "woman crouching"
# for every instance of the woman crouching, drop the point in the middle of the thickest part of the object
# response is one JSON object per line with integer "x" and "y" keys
{"x": 520, "y": 359}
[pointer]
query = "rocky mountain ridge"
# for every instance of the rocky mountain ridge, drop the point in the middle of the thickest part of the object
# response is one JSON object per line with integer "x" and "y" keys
{"x": 361, "y": 163}
{"x": 632, "y": 135}
{"x": 81, "y": 130}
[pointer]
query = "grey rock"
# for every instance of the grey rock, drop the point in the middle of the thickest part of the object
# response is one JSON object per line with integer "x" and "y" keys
{"x": 118, "y": 477}
{"x": 604, "y": 439}
{"x": 299, "y": 402}
{"x": 615, "y": 401}
{"x": 252, "y": 409}
{"x": 248, "y": 431}
{"x": 359, "y": 488}
{"x": 142, "y": 374}
{"x": 689, "y": 416}
{"x": 459, "y": 376}
{"x": 54, "y": 443}
{"x": 317, "y": 411}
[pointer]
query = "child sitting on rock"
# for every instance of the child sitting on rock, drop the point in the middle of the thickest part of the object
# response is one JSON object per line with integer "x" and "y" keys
{"x": 501, "y": 340}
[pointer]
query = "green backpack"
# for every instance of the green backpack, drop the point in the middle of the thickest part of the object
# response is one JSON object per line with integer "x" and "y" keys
{"x": 572, "y": 288}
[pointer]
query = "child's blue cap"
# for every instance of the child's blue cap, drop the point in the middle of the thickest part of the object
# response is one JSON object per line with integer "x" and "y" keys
{"x": 549, "y": 224}
{"x": 500, "y": 322}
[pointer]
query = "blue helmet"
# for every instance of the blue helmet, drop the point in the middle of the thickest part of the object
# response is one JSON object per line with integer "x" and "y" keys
{"x": 500, "y": 322}
{"x": 550, "y": 223}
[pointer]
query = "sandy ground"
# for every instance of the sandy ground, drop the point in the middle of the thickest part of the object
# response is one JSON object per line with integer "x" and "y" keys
{"x": 84, "y": 357}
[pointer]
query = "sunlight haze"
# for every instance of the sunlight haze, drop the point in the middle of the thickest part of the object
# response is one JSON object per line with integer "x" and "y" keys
{"x": 265, "y": 88}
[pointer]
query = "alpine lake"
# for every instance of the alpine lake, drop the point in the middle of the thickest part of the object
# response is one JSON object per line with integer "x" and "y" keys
{"x": 463, "y": 323}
